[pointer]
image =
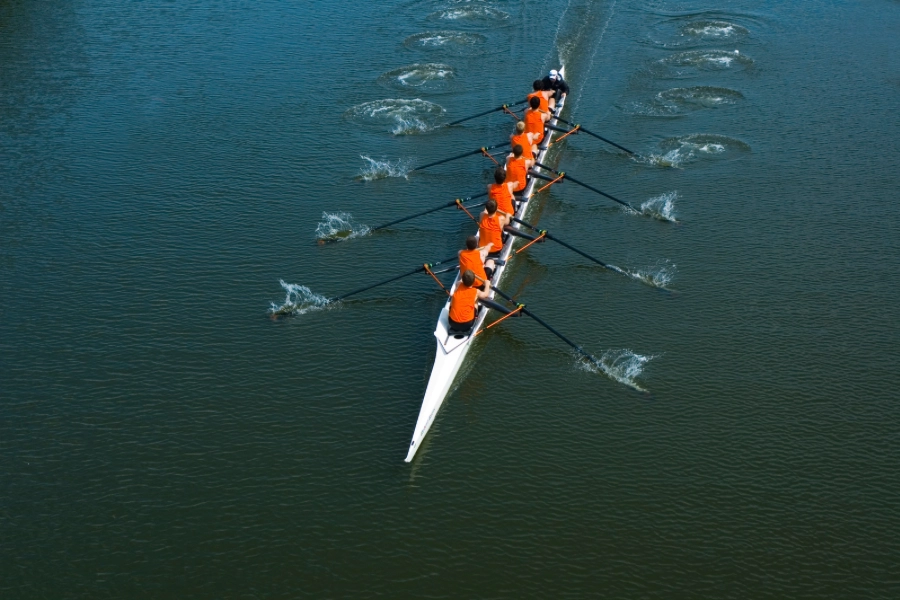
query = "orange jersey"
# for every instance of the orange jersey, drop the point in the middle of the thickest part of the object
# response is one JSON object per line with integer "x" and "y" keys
{"x": 522, "y": 140}
{"x": 462, "y": 303}
{"x": 489, "y": 230}
{"x": 545, "y": 104}
{"x": 471, "y": 259}
{"x": 534, "y": 123}
{"x": 516, "y": 171}
{"x": 499, "y": 193}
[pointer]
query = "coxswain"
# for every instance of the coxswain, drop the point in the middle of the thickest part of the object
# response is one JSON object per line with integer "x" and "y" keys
{"x": 542, "y": 95}
{"x": 523, "y": 138}
{"x": 490, "y": 227}
{"x": 475, "y": 258}
{"x": 517, "y": 169}
{"x": 534, "y": 120}
{"x": 555, "y": 83}
{"x": 464, "y": 302}
{"x": 501, "y": 191}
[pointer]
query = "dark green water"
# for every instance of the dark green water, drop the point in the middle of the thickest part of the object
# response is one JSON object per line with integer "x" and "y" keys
{"x": 164, "y": 166}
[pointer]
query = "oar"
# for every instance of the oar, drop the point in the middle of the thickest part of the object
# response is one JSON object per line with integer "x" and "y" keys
{"x": 456, "y": 202}
{"x": 568, "y": 177}
{"x": 599, "y": 137}
{"x": 574, "y": 346}
{"x": 550, "y": 236}
{"x": 481, "y": 114}
{"x": 401, "y": 276}
{"x": 446, "y": 160}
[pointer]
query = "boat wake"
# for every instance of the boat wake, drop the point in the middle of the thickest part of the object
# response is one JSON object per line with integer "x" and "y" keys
{"x": 382, "y": 169}
{"x": 339, "y": 226}
{"x": 403, "y": 117}
{"x": 661, "y": 207}
{"x": 298, "y": 300}
{"x": 658, "y": 276}
{"x": 623, "y": 366}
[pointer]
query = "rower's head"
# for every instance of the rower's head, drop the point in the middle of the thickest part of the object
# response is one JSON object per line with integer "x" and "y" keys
{"x": 491, "y": 207}
{"x": 471, "y": 242}
{"x": 520, "y": 127}
{"x": 499, "y": 175}
{"x": 553, "y": 75}
{"x": 517, "y": 150}
{"x": 535, "y": 102}
{"x": 468, "y": 278}
{"x": 538, "y": 85}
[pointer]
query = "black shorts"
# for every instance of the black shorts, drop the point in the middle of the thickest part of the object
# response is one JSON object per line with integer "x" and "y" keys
{"x": 490, "y": 275}
{"x": 460, "y": 327}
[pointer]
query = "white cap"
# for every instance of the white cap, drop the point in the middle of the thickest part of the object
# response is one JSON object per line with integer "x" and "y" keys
{"x": 554, "y": 74}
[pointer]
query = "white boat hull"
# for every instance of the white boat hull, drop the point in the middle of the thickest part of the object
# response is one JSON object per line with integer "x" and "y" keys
{"x": 452, "y": 349}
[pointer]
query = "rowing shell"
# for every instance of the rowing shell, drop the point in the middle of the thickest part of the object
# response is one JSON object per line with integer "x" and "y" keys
{"x": 452, "y": 348}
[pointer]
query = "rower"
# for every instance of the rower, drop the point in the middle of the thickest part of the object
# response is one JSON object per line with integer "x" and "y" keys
{"x": 473, "y": 258}
{"x": 534, "y": 119}
{"x": 464, "y": 302}
{"x": 502, "y": 190}
{"x": 517, "y": 170}
{"x": 555, "y": 83}
{"x": 523, "y": 138}
{"x": 490, "y": 227}
{"x": 540, "y": 94}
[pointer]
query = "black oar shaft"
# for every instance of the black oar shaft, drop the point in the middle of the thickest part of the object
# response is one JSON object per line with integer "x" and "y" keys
{"x": 386, "y": 281}
{"x": 581, "y": 183}
{"x": 547, "y": 326}
{"x": 473, "y": 152}
{"x": 481, "y": 114}
{"x": 599, "y": 137}
{"x": 550, "y": 236}
{"x": 429, "y": 211}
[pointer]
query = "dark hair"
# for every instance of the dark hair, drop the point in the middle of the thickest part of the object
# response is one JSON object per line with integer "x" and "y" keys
{"x": 534, "y": 102}
{"x": 490, "y": 206}
{"x": 538, "y": 85}
{"x": 518, "y": 150}
{"x": 468, "y": 278}
{"x": 471, "y": 242}
{"x": 499, "y": 175}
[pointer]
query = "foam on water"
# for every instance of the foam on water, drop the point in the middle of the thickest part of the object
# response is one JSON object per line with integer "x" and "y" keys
{"x": 696, "y": 146}
{"x": 661, "y": 207}
{"x": 713, "y": 30}
{"x": 472, "y": 12}
{"x": 427, "y": 76}
{"x": 339, "y": 226}
{"x": 658, "y": 276}
{"x": 623, "y": 366}
{"x": 401, "y": 116}
{"x": 298, "y": 300}
{"x": 701, "y": 96}
{"x": 452, "y": 42}
{"x": 706, "y": 60}
{"x": 381, "y": 169}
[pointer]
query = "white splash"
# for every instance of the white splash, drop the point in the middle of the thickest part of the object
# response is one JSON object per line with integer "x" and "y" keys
{"x": 339, "y": 226}
{"x": 658, "y": 276}
{"x": 661, "y": 207}
{"x": 298, "y": 300}
{"x": 381, "y": 169}
{"x": 623, "y": 366}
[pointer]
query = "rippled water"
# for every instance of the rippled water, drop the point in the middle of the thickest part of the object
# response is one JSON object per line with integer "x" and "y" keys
{"x": 182, "y": 417}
